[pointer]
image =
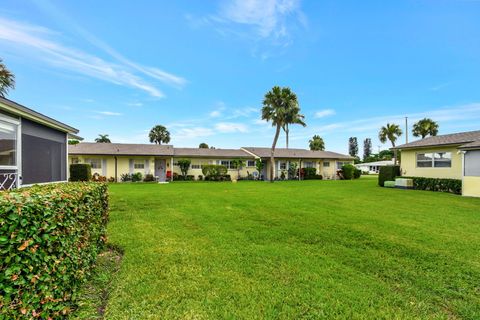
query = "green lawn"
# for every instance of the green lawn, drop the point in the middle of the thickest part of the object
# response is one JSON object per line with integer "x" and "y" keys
{"x": 291, "y": 250}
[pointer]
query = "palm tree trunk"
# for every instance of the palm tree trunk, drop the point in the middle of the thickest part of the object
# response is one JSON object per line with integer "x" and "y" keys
{"x": 394, "y": 153}
{"x": 286, "y": 136}
{"x": 272, "y": 154}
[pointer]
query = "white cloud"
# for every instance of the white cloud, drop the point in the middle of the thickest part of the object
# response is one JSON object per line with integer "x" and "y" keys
{"x": 229, "y": 127}
{"x": 268, "y": 17}
{"x": 324, "y": 113}
{"x": 108, "y": 113}
{"x": 215, "y": 114}
{"x": 135, "y": 104}
{"x": 35, "y": 42}
{"x": 195, "y": 132}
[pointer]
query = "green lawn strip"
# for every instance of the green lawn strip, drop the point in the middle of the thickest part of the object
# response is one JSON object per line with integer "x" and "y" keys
{"x": 94, "y": 294}
{"x": 309, "y": 249}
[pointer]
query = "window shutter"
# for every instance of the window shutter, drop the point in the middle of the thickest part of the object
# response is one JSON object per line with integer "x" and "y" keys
{"x": 147, "y": 166}
{"x": 104, "y": 167}
{"x": 131, "y": 165}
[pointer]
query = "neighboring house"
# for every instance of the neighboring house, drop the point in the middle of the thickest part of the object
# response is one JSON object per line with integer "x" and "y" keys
{"x": 454, "y": 156}
{"x": 373, "y": 167}
{"x": 327, "y": 163}
{"x": 115, "y": 159}
{"x": 33, "y": 147}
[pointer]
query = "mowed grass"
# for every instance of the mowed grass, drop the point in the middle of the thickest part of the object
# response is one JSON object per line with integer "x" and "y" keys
{"x": 293, "y": 250}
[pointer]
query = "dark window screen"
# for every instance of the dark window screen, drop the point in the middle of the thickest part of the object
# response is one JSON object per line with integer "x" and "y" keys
{"x": 43, "y": 154}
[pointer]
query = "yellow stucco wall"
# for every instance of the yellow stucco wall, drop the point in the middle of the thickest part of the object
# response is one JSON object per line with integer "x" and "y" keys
{"x": 123, "y": 164}
{"x": 409, "y": 164}
{"x": 471, "y": 186}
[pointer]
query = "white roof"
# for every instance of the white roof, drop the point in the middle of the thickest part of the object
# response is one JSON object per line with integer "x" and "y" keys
{"x": 376, "y": 163}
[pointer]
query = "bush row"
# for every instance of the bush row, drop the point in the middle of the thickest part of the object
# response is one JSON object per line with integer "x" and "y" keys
{"x": 350, "y": 172}
{"x": 50, "y": 236}
{"x": 437, "y": 184}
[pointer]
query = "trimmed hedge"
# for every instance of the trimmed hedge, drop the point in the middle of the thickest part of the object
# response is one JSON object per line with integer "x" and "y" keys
{"x": 437, "y": 184}
{"x": 348, "y": 171}
{"x": 50, "y": 236}
{"x": 80, "y": 172}
{"x": 388, "y": 173}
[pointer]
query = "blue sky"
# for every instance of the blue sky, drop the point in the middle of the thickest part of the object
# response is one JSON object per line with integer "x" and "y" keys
{"x": 201, "y": 68}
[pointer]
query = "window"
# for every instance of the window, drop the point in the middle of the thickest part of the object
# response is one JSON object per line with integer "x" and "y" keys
{"x": 308, "y": 164}
{"x": 434, "y": 160}
{"x": 139, "y": 164}
{"x": 442, "y": 160}
{"x": 251, "y": 163}
{"x": 175, "y": 164}
{"x": 75, "y": 160}
{"x": 8, "y": 144}
{"x": 283, "y": 165}
{"x": 94, "y": 163}
{"x": 196, "y": 166}
{"x": 326, "y": 164}
{"x": 227, "y": 163}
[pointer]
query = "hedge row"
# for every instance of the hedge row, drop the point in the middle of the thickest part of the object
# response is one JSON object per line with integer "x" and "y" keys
{"x": 437, "y": 184}
{"x": 50, "y": 236}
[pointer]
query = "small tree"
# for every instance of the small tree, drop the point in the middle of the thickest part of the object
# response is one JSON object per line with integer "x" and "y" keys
{"x": 259, "y": 165}
{"x": 353, "y": 146}
{"x": 367, "y": 148}
{"x": 103, "y": 138}
{"x": 203, "y": 145}
{"x": 292, "y": 170}
{"x": 238, "y": 164}
{"x": 184, "y": 165}
{"x": 316, "y": 143}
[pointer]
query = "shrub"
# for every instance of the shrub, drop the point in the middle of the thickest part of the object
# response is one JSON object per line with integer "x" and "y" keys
{"x": 137, "y": 176}
{"x": 200, "y": 177}
{"x": 111, "y": 179}
{"x": 124, "y": 177}
{"x": 98, "y": 178}
{"x": 308, "y": 173}
{"x": 348, "y": 171}
{"x": 50, "y": 236}
{"x": 437, "y": 184}
{"x": 80, "y": 172}
{"x": 357, "y": 173}
{"x": 149, "y": 177}
{"x": 214, "y": 171}
{"x": 387, "y": 173}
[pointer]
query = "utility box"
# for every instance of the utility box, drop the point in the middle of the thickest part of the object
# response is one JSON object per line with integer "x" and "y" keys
{"x": 402, "y": 183}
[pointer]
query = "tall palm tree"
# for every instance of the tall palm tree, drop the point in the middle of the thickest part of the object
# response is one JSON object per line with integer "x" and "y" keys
{"x": 7, "y": 80}
{"x": 390, "y": 132}
{"x": 103, "y": 138}
{"x": 293, "y": 116}
{"x": 425, "y": 127}
{"x": 159, "y": 134}
{"x": 276, "y": 104}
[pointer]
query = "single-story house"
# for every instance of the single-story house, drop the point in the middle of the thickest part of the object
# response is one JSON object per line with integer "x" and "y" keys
{"x": 114, "y": 159}
{"x": 373, "y": 167}
{"x": 33, "y": 147}
{"x": 454, "y": 156}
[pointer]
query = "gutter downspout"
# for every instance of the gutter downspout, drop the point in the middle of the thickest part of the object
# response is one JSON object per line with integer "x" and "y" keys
{"x": 462, "y": 152}
{"x": 299, "y": 169}
{"x": 116, "y": 178}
